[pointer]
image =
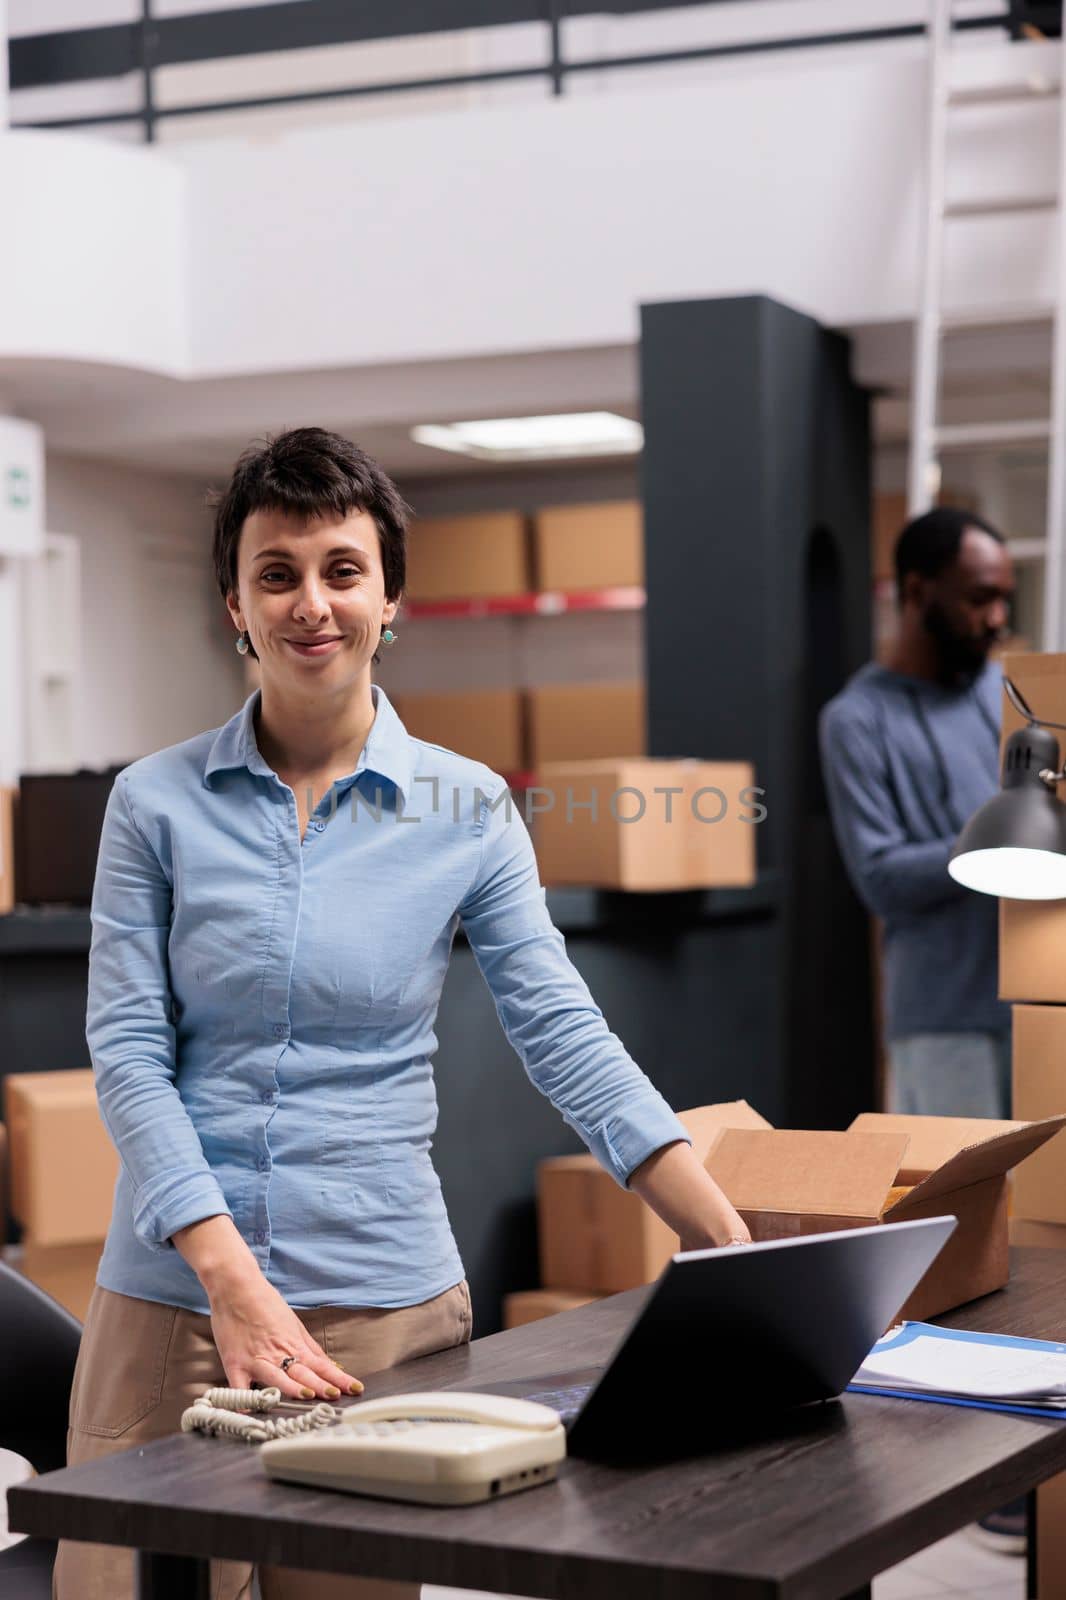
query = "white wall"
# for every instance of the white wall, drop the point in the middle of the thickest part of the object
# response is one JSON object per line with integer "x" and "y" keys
{"x": 545, "y": 225}
{"x": 158, "y": 657}
{"x": 93, "y": 266}
{"x": 527, "y": 227}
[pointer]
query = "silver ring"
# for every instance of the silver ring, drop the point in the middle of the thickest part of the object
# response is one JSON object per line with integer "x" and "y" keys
{"x": 287, "y": 1363}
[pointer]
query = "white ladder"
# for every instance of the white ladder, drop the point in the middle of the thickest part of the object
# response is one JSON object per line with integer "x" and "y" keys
{"x": 928, "y": 437}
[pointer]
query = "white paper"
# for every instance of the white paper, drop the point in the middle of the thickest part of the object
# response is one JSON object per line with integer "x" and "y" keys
{"x": 968, "y": 1370}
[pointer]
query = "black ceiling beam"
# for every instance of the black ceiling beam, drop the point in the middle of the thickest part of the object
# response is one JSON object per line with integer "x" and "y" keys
{"x": 75, "y": 56}
{"x": 80, "y": 54}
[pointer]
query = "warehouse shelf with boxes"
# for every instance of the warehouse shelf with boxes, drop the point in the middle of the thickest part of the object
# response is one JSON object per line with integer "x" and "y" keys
{"x": 571, "y": 746}
{"x": 509, "y": 564}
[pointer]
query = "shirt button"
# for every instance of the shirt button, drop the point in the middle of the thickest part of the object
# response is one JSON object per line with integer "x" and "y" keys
{"x": 280, "y": 1030}
{"x": 268, "y": 1097}
{"x": 260, "y": 1236}
{"x": 318, "y": 826}
{"x": 263, "y": 1163}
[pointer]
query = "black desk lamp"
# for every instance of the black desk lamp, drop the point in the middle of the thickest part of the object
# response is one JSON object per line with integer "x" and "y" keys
{"x": 1015, "y": 845}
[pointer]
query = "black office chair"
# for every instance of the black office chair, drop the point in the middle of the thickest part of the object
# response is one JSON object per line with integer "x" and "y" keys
{"x": 38, "y": 1347}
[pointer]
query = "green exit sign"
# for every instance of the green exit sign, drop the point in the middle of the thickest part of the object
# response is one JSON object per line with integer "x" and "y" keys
{"x": 18, "y": 485}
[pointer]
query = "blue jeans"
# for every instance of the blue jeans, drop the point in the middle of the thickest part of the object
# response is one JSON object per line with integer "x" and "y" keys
{"x": 950, "y": 1075}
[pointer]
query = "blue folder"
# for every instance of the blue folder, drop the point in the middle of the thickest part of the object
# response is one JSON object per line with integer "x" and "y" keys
{"x": 912, "y": 1330}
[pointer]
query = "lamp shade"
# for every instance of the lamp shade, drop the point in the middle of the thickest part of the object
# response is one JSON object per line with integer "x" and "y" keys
{"x": 1015, "y": 845}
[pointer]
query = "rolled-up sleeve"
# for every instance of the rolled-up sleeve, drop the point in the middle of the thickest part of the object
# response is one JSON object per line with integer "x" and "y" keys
{"x": 131, "y": 1037}
{"x": 546, "y": 1009}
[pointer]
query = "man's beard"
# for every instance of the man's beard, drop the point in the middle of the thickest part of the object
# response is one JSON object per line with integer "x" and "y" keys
{"x": 960, "y": 657}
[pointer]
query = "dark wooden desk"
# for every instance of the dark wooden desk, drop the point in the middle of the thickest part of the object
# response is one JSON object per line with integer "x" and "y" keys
{"x": 812, "y": 1511}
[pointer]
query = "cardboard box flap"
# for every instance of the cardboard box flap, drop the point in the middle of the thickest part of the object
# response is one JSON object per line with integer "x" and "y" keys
{"x": 708, "y": 1123}
{"x": 990, "y": 1159}
{"x": 932, "y": 1140}
{"x": 783, "y": 1170}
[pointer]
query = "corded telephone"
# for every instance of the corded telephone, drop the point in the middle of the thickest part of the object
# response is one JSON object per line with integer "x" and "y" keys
{"x": 439, "y": 1448}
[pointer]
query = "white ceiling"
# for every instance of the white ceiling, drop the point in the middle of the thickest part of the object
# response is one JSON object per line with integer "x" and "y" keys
{"x": 197, "y": 427}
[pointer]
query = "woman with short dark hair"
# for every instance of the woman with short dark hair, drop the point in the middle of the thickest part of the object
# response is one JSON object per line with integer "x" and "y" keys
{"x": 273, "y": 913}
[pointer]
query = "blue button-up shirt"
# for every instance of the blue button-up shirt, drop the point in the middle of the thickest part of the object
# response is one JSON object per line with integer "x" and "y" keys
{"x": 261, "y": 1010}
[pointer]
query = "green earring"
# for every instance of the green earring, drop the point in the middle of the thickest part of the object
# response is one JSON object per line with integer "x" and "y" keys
{"x": 388, "y": 637}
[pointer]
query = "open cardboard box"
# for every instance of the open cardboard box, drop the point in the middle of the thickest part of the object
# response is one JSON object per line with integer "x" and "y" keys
{"x": 599, "y": 1237}
{"x": 887, "y": 1168}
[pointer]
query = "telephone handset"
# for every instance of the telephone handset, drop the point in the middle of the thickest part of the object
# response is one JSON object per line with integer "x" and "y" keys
{"x": 438, "y": 1448}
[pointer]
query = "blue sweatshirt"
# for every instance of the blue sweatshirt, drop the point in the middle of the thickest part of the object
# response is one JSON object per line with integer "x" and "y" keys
{"x": 907, "y": 763}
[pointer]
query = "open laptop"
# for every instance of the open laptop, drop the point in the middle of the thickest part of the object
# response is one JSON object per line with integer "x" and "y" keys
{"x": 728, "y": 1337}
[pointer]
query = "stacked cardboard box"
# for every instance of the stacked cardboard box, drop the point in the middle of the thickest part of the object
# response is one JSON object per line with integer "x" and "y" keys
{"x": 597, "y": 546}
{"x": 602, "y": 814}
{"x": 888, "y": 516}
{"x": 484, "y": 554}
{"x": 1032, "y": 933}
{"x": 1039, "y": 1218}
{"x": 8, "y": 802}
{"x": 485, "y": 725}
{"x": 585, "y": 722}
{"x": 596, "y": 1236}
{"x": 63, "y": 1168}
{"x": 472, "y": 557}
{"x": 1039, "y": 1049}
{"x": 646, "y": 825}
{"x": 1032, "y": 971}
{"x": 530, "y": 1305}
{"x": 515, "y": 731}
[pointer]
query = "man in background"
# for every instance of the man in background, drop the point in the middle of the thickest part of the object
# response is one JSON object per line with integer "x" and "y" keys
{"x": 909, "y": 751}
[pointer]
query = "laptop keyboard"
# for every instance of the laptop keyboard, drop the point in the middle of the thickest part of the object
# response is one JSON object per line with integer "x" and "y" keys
{"x": 567, "y": 1402}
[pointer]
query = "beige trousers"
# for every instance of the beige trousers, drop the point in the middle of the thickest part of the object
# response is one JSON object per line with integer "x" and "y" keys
{"x": 141, "y": 1364}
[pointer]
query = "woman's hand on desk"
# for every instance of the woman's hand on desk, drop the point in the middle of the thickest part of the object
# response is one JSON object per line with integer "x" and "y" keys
{"x": 255, "y": 1330}
{"x": 253, "y": 1327}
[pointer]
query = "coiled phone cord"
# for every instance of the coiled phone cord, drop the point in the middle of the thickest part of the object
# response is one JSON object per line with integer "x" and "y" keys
{"x": 216, "y": 1413}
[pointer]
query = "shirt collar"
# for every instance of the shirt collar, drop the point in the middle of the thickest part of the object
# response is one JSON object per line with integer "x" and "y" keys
{"x": 387, "y": 752}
